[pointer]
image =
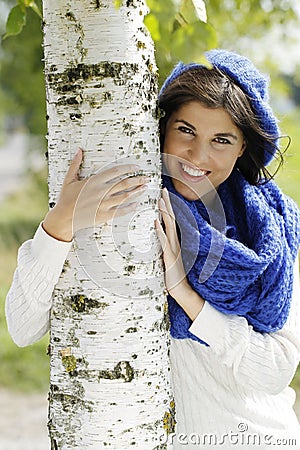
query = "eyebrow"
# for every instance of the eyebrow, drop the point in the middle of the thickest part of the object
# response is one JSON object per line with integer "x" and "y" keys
{"x": 233, "y": 136}
{"x": 186, "y": 123}
{"x": 227, "y": 135}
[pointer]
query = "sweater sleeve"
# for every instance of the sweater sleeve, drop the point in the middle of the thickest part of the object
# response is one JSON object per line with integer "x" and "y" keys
{"x": 28, "y": 302}
{"x": 264, "y": 362}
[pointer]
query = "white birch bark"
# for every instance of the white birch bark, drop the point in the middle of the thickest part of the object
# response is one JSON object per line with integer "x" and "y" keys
{"x": 110, "y": 376}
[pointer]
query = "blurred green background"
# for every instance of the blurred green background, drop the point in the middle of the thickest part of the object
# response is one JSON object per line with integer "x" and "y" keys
{"x": 267, "y": 31}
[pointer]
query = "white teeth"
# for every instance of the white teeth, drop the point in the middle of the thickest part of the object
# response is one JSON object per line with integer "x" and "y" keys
{"x": 193, "y": 172}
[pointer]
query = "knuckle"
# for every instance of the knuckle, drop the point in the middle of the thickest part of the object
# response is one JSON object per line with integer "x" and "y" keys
{"x": 121, "y": 168}
{"x": 126, "y": 195}
{"x": 126, "y": 183}
{"x": 114, "y": 170}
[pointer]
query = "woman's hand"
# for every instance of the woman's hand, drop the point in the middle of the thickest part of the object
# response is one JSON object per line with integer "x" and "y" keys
{"x": 175, "y": 276}
{"x": 94, "y": 200}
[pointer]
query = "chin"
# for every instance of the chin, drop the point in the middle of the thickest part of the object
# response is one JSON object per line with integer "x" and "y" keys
{"x": 194, "y": 193}
{"x": 186, "y": 192}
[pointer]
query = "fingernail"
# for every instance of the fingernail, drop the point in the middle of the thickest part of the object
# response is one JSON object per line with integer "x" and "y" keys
{"x": 77, "y": 153}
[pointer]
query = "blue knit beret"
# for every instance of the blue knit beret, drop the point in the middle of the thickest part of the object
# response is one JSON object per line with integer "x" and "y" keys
{"x": 255, "y": 85}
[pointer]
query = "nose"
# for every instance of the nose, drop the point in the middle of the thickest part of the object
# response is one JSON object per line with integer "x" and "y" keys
{"x": 199, "y": 153}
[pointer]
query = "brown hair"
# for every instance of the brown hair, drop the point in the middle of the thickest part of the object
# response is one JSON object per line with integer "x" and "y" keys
{"x": 214, "y": 89}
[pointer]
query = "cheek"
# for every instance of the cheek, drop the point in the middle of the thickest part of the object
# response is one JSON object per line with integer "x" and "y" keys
{"x": 168, "y": 146}
{"x": 173, "y": 145}
{"x": 170, "y": 162}
{"x": 224, "y": 167}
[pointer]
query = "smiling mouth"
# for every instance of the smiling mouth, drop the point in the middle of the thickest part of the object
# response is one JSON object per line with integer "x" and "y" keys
{"x": 193, "y": 172}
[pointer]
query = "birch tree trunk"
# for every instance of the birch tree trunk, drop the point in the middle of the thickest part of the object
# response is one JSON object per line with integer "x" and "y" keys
{"x": 110, "y": 376}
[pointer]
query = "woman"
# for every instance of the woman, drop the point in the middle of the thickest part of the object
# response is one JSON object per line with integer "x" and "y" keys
{"x": 229, "y": 257}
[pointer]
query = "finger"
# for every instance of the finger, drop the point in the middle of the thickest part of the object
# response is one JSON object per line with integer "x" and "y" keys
{"x": 73, "y": 171}
{"x": 169, "y": 208}
{"x": 128, "y": 184}
{"x": 102, "y": 217}
{"x": 170, "y": 226}
{"x": 112, "y": 175}
{"x": 169, "y": 257}
{"x": 166, "y": 198}
{"x": 123, "y": 210}
{"x": 119, "y": 199}
{"x": 174, "y": 271}
{"x": 161, "y": 234}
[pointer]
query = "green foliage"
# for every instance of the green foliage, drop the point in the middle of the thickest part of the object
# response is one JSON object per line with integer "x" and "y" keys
{"x": 25, "y": 369}
{"x": 178, "y": 32}
{"x": 17, "y": 17}
{"x": 289, "y": 176}
{"x": 21, "y": 213}
{"x": 22, "y": 79}
{"x": 190, "y": 9}
{"x": 22, "y": 369}
{"x": 15, "y": 22}
{"x": 235, "y": 19}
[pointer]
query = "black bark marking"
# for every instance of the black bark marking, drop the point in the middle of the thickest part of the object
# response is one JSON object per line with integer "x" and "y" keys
{"x": 70, "y": 16}
{"x": 54, "y": 445}
{"x": 97, "y": 4}
{"x": 85, "y": 72}
{"x": 122, "y": 370}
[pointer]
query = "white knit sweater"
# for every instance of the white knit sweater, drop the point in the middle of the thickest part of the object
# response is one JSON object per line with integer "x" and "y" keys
{"x": 232, "y": 394}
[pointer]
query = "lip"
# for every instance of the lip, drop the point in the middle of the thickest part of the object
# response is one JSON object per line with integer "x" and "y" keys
{"x": 188, "y": 177}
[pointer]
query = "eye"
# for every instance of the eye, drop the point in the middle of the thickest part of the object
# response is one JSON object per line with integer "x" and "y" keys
{"x": 222, "y": 140}
{"x": 185, "y": 130}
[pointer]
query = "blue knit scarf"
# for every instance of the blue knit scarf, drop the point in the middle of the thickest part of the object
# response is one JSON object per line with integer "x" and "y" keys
{"x": 247, "y": 268}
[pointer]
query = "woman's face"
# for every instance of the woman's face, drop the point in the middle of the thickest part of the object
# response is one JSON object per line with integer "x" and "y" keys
{"x": 201, "y": 147}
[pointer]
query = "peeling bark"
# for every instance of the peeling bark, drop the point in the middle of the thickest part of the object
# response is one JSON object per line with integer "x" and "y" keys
{"x": 110, "y": 376}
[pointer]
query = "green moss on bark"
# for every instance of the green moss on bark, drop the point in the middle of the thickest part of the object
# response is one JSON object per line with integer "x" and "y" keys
{"x": 81, "y": 304}
{"x": 69, "y": 363}
{"x": 169, "y": 421}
